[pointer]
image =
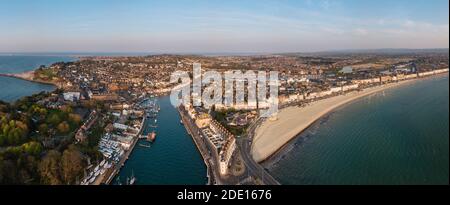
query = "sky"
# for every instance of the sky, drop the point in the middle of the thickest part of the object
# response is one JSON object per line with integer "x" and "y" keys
{"x": 201, "y": 26}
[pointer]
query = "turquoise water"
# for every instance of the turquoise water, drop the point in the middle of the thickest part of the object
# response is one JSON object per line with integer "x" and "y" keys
{"x": 400, "y": 136}
{"x": 21, "y": 63}
{"x": 172, "y": 159}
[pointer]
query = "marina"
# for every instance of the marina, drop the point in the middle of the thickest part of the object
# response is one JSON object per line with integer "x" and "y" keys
{"x": 166, "y": 160}
{"x": 117, "y": 145}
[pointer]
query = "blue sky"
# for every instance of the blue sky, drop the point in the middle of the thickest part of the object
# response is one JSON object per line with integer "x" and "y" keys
{"x": 221, "y": 26}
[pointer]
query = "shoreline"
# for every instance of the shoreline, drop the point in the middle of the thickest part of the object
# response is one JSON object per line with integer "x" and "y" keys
{"x": 28, "y": 76}
{"x": 266, "y": 148}
{"x": 210, "y": 174}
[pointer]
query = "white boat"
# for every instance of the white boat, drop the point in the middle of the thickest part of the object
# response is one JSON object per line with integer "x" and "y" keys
{"x": 132, "y": 179}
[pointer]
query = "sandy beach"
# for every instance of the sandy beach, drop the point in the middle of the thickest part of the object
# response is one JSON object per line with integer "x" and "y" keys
{"x": 273, "y": 135}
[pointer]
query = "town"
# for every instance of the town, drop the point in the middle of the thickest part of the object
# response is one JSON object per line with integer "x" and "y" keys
{"x": 110, "y": 100}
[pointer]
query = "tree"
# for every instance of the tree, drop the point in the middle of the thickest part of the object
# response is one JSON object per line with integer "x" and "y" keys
{"x": 43, "y": 128}
{"x": 13, "y": 132}
{"x": 32, "y": 148}
{"x": 49, "y": 169}
{"x": 54, "y": 119}
{"x": 8, "y": 172}
{"x": 66, "y": 109}
{"x": 63, "y": 127}
{"x": 75, "y": 118}
{"x": 72, "y": 164}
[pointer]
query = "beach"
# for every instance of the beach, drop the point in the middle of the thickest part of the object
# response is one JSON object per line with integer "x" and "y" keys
{"x": 29, "y": 76}
{"x": 271, "y": 136}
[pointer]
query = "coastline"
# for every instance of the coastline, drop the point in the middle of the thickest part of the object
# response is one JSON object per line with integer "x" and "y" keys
{"x": 272, "y": 137}
{"x": 28, "y": 76}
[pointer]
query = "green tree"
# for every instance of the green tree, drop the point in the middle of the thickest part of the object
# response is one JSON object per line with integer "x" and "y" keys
{"x": 32, "y": 148}
{"x": 54, "y": 119}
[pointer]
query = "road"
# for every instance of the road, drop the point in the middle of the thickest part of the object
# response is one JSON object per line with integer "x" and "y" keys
{"x": 253, "y": 168}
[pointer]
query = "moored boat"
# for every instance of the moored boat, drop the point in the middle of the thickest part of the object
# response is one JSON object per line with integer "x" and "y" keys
{"x": 151, "y": 137}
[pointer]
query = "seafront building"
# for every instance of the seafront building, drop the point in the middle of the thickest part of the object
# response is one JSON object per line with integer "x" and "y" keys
{"x": 218, "y": 137}
{"x": 226, "y": 153}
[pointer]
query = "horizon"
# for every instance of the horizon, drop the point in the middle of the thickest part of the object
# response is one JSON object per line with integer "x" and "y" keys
{"x": 99, "y": 26}
{"x": 150, "y": 53}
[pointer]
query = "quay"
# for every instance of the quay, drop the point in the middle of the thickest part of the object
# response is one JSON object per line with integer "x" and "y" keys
{"x": 111, "y": 174}
{"x": 211, "y": 160}
{"x": 212, "y": 172}
{"x": 117, "y": 167}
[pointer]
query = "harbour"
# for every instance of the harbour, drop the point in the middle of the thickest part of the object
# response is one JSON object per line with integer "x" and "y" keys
{"x": 172, "y": 159}
{"x": 116, "y": 146}
{"x": 196, "y": 138}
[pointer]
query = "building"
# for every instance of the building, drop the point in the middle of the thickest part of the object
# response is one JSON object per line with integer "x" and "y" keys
{"x": 217, "y": 128}
{"x": 346, "y": 70}
{"x": 225, "y": 155}
{"x": 120, "y": 126}
{"x": 350, "y": 87}
{"x": 335, "y": 89}
{"x": 366, "y": 81}
{"x": 80, "y": 136}
{"x": 386, "y": 79}
{"x": 72, "y": 96}
{"x": 203, "y": 120}
{"x": 216, "y": 140}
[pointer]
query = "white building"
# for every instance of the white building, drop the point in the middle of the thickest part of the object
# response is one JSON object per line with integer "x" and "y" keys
{"x": 349, "y": 87}
{"x": 120, "y": 126}
{"x": 225, "y": 155}
{"x": 71, "y": 96}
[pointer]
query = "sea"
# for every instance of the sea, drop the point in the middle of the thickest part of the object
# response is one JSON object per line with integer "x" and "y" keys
{"x": 396, "y": 137}
{"x": 12, "y": 89}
